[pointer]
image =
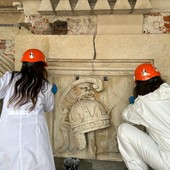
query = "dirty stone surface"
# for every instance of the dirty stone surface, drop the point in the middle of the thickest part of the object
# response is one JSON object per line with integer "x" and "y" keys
{"x": 92, "y": 165}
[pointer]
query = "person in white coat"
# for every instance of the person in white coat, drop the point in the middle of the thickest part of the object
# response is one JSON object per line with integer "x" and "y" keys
{"x": 27, "y": 94}
{"x": 151, "y": 109}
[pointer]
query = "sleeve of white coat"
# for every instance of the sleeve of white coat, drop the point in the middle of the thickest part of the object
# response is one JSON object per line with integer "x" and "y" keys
{"x": 4, "y": 82}
{"x": 49, "y": 104}
{"x": 134, "y": 114}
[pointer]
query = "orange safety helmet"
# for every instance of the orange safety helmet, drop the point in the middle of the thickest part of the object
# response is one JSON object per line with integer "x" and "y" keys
{"x": 33, "y": 55}
{"x": 145, "y": 72}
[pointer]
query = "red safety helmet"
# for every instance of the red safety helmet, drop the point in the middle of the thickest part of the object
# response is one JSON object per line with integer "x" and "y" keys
{"x": 33, "y": 55}
{"x": 145, "y": 72}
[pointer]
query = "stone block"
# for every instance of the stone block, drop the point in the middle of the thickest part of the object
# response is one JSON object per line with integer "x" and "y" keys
{"x": 64, "y": 8}
{"x": 58, "y": 47}
{"x": 11, "y": 32}
{"x": 9, "y": 18}
{"x": 154, "y": 48}
{"x": 160, "y": 6}
{"x": 45, "y": 7}
{"x": 85, "y": 25}
{"x": 31, "y": 7}
{"x": 82, "y": 7}
{"x": 119, "y": 24}
{"x": 142, "y": 6}
{"x": 122, "y": 7}
{"x": 102, "y": 7}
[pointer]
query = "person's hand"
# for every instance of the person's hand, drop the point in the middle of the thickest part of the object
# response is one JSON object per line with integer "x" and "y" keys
{"x": 131, "y": 99}
{"x": 54, "y": 89}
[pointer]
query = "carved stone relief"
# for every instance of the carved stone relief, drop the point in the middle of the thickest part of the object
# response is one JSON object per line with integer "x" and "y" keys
{"x": 88, "y": 106}
{"x": 82, "y": 113}
{"x": 84, "y": 127}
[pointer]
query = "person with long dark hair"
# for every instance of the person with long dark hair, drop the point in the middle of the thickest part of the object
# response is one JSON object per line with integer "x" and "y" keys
{"x": 151, "y": 109}
{"x": 26, "y": 94}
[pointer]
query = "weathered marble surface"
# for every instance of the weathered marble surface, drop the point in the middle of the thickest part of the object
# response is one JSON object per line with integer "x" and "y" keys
{"x": 94, "y": 79}
{"x": 93, "y": 71}
{"x": 119, "y": 24}
{"x": 154, "y": 23}
{"x": 103, "y": 6}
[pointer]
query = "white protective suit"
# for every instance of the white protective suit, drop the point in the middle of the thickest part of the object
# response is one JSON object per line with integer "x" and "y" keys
{"x": 24, "y": 138}
{"x": 139, "y": 149}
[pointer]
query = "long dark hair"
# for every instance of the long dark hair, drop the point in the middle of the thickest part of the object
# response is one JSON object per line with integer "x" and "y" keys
{"x": 32, "y": 79}
{"x": 145, "y": 87}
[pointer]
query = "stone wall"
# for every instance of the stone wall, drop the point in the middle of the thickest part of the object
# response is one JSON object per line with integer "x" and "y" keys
{"x": 91, "y": 59}
{"x": 99, "y": 73}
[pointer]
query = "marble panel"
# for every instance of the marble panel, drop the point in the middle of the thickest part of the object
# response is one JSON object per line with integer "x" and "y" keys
{"x": 160, "y": 6}
{"x": 119, "y": 24}
{"x": 59, "y": 47}
{"x": 150, "y": 46}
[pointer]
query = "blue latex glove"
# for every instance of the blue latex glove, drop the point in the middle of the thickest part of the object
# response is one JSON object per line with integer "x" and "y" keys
{"x": 131, "y": 99}
{"x": 54, "y": 89}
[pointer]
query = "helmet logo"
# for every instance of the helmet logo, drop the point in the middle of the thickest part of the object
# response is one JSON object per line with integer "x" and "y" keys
{"x": 145, "y": 73}
{"x": 31, "y": 55}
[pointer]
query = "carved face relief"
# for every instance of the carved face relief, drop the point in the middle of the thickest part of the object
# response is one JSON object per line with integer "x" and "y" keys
{"x": 84, "y": 90}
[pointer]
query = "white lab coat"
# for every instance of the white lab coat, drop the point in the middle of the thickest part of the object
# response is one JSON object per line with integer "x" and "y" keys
{"x": 24, "y": 138}
{"x": 153, "y": 148}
